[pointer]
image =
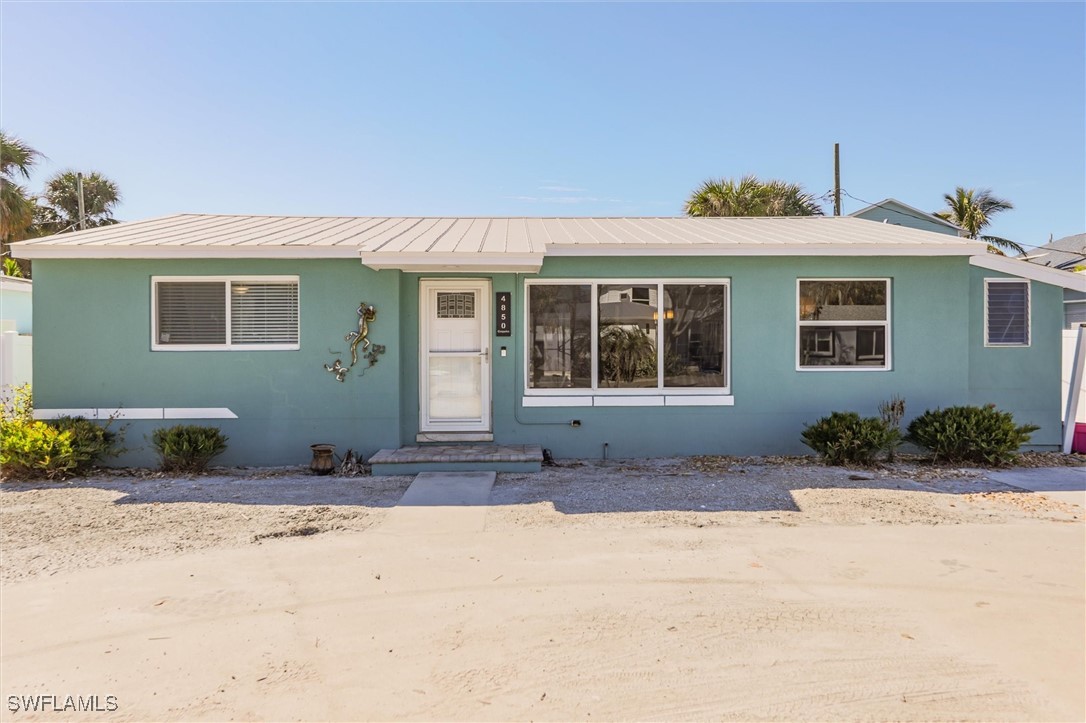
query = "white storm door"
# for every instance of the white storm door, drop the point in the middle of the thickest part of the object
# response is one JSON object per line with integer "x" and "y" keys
{"x": 454, "y": 355}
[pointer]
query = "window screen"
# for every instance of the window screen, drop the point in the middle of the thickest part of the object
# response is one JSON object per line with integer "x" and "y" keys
{"x": 1006, "y": 313}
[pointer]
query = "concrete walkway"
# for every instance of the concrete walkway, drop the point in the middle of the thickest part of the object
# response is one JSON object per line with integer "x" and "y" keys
{"x": 441, "y": 502}
{"x": 1065, "y": 484}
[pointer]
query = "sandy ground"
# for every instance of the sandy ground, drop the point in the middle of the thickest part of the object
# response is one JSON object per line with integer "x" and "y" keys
{"x": 663, "y": 590}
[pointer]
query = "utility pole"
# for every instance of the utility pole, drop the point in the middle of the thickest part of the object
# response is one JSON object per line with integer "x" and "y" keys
{"x": 82, "y": 210}
{"x": 836, "y": 179}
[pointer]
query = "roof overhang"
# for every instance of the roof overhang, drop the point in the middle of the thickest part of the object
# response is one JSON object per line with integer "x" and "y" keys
{"x": 251, "y": 251}
{"x": 949, "y": 249}
{"x": 1034, "y": 272}
{"x": 432, "y": 263}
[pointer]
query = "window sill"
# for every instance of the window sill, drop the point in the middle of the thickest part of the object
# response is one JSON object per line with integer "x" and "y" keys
{"x": 222, "y": 347}
{"x": 656, "y": 400}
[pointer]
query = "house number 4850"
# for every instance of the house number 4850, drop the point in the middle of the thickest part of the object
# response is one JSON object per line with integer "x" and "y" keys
{"x": 504, "y": 319}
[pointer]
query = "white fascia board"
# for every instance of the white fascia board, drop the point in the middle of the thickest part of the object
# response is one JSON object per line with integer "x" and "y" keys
{"x": 948, "y": 249}
{"x": 428, "y": 262}
{"x": 58, "y": 251}
{"x": 1027, "y": 270}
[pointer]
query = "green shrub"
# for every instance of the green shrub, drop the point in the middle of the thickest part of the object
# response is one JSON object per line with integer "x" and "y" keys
{"x": 848, "y": 438}
{"x": 29, "y": 448}
{"x": 188, "y": 447}
{"x": 34, "y": 449}
{"x": 979, "y": 435}
{"x": 91, "y": 443}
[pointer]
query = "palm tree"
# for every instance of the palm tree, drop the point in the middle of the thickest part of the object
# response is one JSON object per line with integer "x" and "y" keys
{"x": 972, "y": 210}
{"x": 60, "y": 212}
{"x": 16, "y": 205}
{"x": 750, "y": 196}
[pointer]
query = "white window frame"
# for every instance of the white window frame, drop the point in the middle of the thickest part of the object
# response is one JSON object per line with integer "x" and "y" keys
{"x": 659, "y": 395}
{"x": 1029, "y": 314}
{"x": 887, "y": 366}
{"x": 227, "y": 282}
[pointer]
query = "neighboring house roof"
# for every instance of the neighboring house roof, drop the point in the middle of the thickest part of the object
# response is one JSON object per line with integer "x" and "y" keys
{"x": 891, "y": 210}
{"x": 1027, "y": 270}
{"x": 16, "y": 284}
{"x": 494, "y": 243}
{"x": 1064, "y": 253}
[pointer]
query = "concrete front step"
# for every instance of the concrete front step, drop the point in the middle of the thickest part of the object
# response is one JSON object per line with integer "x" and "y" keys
{"x": 458, "y": 458}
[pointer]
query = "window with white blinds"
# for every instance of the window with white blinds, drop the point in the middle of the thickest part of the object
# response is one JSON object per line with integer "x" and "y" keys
{"x": 225, "y": 313}
{"x": 1006, "y": 312}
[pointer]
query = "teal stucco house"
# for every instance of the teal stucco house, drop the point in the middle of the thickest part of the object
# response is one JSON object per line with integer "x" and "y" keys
{"x": 623, "y": 337}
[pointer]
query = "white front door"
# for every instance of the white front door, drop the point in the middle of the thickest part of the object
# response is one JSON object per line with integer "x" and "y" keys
{"x": 454, "y": 355}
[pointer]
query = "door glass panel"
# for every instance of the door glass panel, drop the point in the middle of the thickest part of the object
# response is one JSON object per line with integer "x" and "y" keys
{"x": 455, "y": 305}
{"x": 455, "y": 391}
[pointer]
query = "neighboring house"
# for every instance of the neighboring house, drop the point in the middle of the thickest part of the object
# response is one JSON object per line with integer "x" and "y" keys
{"x": 624, "y": 337}
{"x": 1068, "y": 254}
{"x": 892, "y": 211}
{"x": 16, "y": 326}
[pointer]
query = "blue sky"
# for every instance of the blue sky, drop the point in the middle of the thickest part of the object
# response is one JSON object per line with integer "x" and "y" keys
{"x": 561, "y": 109}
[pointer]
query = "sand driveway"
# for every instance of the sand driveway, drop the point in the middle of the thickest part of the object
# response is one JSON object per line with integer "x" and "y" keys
{"x": 601, "y": 618}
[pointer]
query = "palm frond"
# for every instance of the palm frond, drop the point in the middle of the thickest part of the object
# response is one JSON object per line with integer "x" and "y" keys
{"x": 1002, "y": 243}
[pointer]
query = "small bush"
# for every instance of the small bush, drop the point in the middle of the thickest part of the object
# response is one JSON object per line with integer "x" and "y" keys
{"x": 35, "y": 449}
{"x": 188, "y": 447}
{"x": 28, "y": 448}
{"x": 978, "y": 435}
{"x": 848, "y": 438}
{"x": 91, "y": 443}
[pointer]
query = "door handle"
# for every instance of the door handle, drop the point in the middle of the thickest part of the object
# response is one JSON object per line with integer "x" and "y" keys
{"x": 485, "y": 354}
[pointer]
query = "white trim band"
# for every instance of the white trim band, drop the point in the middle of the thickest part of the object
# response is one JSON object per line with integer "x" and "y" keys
{"x": 139, "y": 413}
{"x": 656, "y": 400}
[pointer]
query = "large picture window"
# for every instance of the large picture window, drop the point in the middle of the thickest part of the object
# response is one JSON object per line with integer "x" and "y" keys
{"x": 205, "y": 313}
{"x": 609, "y": 336}
{"x": 844, "y": 323}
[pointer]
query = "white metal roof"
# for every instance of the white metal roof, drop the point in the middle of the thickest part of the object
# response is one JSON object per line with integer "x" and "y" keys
{"x": 1026, "y": 270}
{"x": 497, "y": 244}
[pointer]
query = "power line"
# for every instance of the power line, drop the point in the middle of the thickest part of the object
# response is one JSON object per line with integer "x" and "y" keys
{"x": 905, "y": 212}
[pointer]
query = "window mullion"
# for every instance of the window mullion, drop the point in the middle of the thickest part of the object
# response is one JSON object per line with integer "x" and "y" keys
{"x": 660, "y": 317}
{"x": 229, "y": 315}
{"x": 595, "y": 345}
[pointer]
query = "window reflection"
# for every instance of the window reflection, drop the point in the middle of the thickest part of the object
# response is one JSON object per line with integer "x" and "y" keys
{"x": 560, "y": 336}
{"x": 627, "y": 342}
{"x": 694, "y": 334}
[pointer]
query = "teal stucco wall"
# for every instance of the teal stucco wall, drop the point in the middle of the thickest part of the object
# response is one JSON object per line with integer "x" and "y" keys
{"x": 772, "y": 400}
{"x": 92, "y": 349}
{"x": 1024, "y": 380}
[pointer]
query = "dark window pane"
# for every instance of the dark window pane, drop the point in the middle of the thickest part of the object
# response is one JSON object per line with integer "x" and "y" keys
{"x": 191, "y": 312}
{"x": 694, "y": 335}
{"x": 627, "y": 343}
{"x": 842, "y": 300}
{"x": 560, "y": 336}
{"x": 1008, "y": 313}
{"x": 836, "y": 346}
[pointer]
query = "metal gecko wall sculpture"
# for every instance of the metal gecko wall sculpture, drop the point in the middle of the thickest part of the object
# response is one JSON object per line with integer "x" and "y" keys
{"x": 370, "y": 351}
